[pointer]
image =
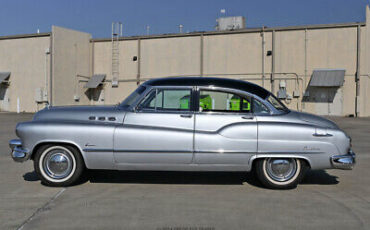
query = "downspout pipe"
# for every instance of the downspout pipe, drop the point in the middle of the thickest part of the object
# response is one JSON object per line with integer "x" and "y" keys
{"x": 47, "y": 52}
{"x": 138, "y": 61}
{"x": 263, "y": 56}
{"x": 358, "y": 74}
{"x": 201, "y": 55}
{"x": 51, "y": 51}
{"x": 305, "y": 66}
{"x": 273, "y": 63}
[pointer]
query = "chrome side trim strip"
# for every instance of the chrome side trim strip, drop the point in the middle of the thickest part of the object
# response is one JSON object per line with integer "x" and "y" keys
{"x": 165, "y": 151}
{"x": 136, "y": 151}
{"x": 134, "y": 126}
{"x": 197, "y": 152}
{"x": 289, "y": 153}
{"x": 224, "y": 151}
{"x": 151, "y": 151}
{"x": 97, "y": 150}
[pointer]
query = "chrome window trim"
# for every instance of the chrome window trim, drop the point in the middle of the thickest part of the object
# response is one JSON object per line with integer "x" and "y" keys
{"x": 133, "y": 104}
{"x": 154, "y": 88}
{"x": 273, "y": 111}
{"x": 227, "y": 90}
{"x": 132, "y": 107}
{"x": 195, "y": 89}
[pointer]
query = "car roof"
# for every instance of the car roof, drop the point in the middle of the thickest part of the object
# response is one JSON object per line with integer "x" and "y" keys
{"x": 210, "y": 81}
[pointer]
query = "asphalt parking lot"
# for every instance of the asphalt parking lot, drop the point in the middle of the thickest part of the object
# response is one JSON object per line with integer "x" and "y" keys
{"x": 330, "y": 199}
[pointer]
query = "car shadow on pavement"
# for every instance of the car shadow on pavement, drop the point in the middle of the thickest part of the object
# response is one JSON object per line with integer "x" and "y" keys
{"x": 164, "y": 177}
{"x": 31, "y": 176}
{"x": 320, "y": 177}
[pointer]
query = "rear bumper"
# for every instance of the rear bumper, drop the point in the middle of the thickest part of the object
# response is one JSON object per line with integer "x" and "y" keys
{"x": 346, "y": 161}
{"x": 18, "y": 153}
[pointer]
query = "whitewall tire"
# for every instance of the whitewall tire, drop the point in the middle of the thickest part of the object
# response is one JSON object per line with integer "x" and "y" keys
{"x": 280, "y": 173}
{"x": 58, "y": 165}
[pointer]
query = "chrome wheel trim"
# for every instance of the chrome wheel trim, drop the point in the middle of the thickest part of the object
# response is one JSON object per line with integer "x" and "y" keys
{"x": 281, "y": 169}
{"x": 57, "y": 164}
{"x": 290, "y": 175}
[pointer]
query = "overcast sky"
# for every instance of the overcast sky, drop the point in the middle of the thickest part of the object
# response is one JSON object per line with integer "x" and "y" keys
{"x": 164, "y": 16}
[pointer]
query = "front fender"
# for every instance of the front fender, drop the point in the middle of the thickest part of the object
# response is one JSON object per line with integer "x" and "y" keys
{"x": 78, "y": 134}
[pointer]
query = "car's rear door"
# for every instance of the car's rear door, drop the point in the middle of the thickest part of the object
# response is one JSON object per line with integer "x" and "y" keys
{"x": 160, "y": 131}
{"x": 225, "y": 128}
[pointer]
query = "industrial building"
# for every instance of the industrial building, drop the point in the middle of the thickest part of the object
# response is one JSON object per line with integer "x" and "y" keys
{"x": 322, "y": 69}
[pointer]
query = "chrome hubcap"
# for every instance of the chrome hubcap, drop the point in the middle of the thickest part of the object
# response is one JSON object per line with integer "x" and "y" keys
{"x": 57, "y": 164}
{"x": 281, "y": 169}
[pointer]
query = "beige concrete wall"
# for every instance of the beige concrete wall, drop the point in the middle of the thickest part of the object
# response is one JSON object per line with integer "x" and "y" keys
{"x": 233, "y": 54}
{"x": 71, "y": 52}
{"x": 170, "y": 57}
{"x": 224, "y": 55}
{"x": 159, "y": 58}
{"x": 25, "y": 58}
{"x": 364, "y": 102}
{"x": 102, "y": 64}
{"x": 335, "y": 48}
{"x": 240, "y": 56}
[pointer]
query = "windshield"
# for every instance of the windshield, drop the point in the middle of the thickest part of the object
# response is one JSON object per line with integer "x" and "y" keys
{"x": 277, "y": 103}
{"x": 133, "y": 97}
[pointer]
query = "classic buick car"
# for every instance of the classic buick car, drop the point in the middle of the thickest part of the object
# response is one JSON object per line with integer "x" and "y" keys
{"x": 184, "y": 124}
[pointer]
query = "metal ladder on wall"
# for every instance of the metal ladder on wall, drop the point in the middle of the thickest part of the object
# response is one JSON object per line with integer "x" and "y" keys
{"x": 116, "y": 34}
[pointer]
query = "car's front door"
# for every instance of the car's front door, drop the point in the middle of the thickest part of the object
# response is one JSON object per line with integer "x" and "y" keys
{"x": 160, "y": 131}
{"x": 225, "y": 128}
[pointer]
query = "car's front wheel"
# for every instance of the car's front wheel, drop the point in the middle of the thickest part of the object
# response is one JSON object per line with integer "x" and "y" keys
{"x": 280, "y": 173}
{"x": 58, "y": 165}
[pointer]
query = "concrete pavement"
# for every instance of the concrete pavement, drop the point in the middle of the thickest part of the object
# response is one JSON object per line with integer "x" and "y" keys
{"x": 330, "y": 199}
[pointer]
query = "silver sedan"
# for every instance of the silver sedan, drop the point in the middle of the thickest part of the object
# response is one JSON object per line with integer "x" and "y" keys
{"x": 184, "y": 124}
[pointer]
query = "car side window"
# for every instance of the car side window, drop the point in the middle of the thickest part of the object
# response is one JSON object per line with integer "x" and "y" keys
{"x": 259, "y": 108}
{"x": 167, "y": 100}
{"x": 220, "y": 101}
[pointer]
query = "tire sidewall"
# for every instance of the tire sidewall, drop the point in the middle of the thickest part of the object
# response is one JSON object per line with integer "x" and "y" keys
{"x": 41, "y": 164}
{"x": 75, "y": 174}
{"x": 268, "y": 182}
{"x": 282, "y": 183}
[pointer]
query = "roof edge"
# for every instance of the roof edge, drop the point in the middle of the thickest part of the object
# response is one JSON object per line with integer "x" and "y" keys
{"x": 247, "y": 30}
{"x": 19, "y": 36}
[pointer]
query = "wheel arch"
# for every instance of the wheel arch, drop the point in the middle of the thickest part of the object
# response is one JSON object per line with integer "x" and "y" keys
{"x": 65, "y": 143}
{"x": 254, "y": 158}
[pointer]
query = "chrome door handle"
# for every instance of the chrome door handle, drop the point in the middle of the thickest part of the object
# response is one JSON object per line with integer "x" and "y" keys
{"x": 186, "y": 115}
{"x": 247, "y": 117}
{"x": 322, "y": 135}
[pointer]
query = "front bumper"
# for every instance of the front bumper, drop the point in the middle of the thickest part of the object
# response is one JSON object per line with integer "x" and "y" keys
{"x": 346, "y": 161}
{"x": 18, "y": 153}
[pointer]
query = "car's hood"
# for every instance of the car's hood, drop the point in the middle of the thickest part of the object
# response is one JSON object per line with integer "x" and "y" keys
{"x": 313, "y": 119}
{"x": 81, "y": 113}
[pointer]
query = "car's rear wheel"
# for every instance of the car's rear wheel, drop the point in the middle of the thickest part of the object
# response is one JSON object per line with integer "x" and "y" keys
{"x": 58, "y": 165}
{"x": 280, "y": 173}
